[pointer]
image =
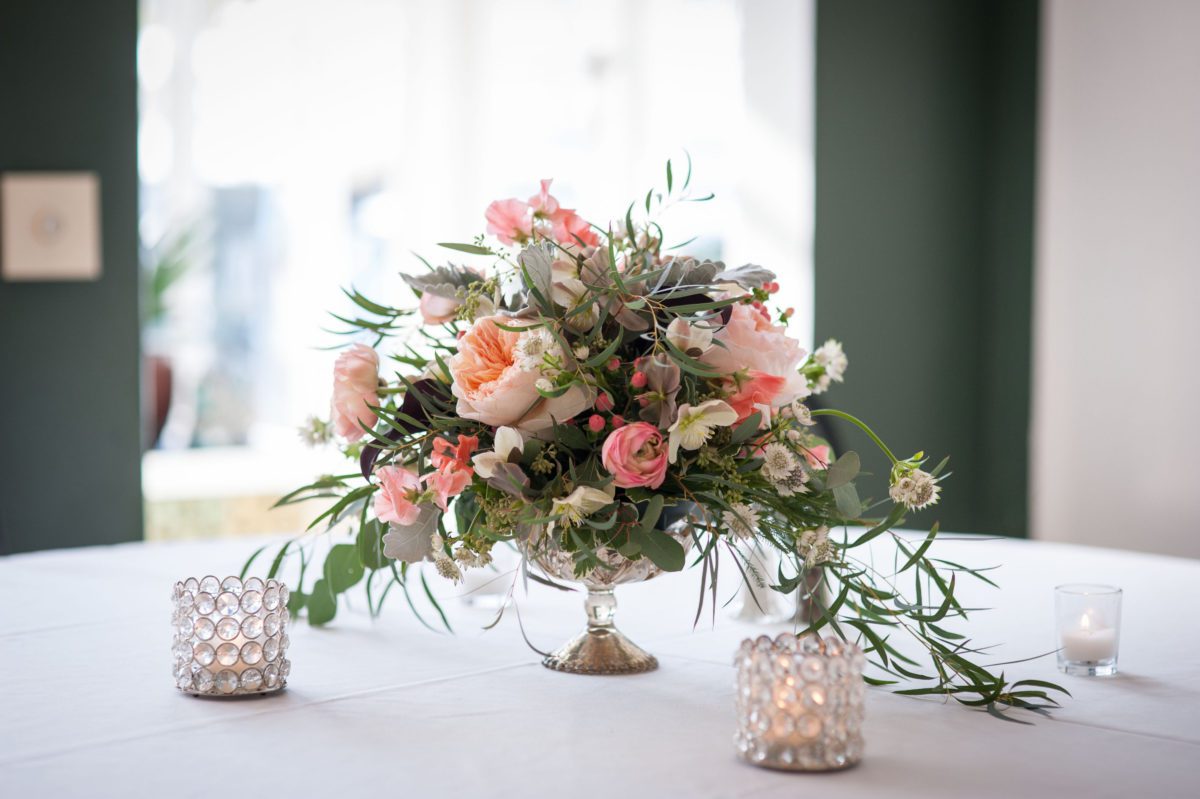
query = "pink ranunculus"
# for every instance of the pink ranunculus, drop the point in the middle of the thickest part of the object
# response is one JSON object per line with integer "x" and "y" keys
{"x": 447, "y": 483}
{"x": 492, "y": 388}
{"x": 543, "y": 202}
{"x": 570, "y": 228}
{"x": 355, "y": 386}
{"x": 818, "y": 456}
{"x": 751, "y": 341}
{"x": 510, "y": 221}
{"x": 436, "y": 309}
{"x": 398, "y": 487}
{"x": 756, "y": 389}
{"x": 635, "y": 455}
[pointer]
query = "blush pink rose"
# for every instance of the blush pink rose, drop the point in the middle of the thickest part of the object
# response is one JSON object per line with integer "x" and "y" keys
{"x": 436, "y": 310}
{"x": 355, "y": 386}
{"x": 635, "y": 455}
{"x": 756, "y": 389}
{"x": 394, "y": 500}
{"x": 509, "y": 221}
{"x": 752, "y": 341}
{"x": 492, "y": 388}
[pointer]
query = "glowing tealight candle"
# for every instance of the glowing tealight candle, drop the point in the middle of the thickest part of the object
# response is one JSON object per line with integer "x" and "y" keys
{"x": 1090, "y": 642}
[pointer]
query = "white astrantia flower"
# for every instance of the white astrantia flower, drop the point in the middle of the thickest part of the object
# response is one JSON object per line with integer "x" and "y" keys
{"x": 740, "y": 520}
{"x": 508, "y": 441}
{"x": 802, "y": 414}
{"x": 533, "y": 347}
{"x": 814, "y": 546}
{"x": 914, "y": 488}
{"x": 794, "y": 483}
{"x": 446, "y": 567}
{"x": 692, "y": 338}
{"x": 831, "y": 356}
{"x": 778, "y": 462}
{"x": 693, "y": 426}
{"x": 582, "y": 351}
{"x": 583, "y": 501}
{"x": 316, "y": 431}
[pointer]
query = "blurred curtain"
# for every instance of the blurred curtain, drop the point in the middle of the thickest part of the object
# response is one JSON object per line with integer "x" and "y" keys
{"x": 925, "y": 155}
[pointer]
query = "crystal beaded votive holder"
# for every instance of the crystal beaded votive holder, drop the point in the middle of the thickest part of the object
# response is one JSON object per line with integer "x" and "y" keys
{"x": 230, "y": 636}
{"x": 1088, "y": 622}
{"x": 799, "y": 703}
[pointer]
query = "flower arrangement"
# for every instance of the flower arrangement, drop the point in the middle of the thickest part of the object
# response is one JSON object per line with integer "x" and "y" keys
{"x": 591, "y": 379}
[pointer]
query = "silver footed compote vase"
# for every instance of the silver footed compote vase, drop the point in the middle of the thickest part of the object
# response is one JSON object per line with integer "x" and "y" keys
{"x": 602, "y": 648}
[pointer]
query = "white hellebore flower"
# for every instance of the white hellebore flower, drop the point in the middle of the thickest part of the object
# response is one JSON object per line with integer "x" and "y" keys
{"x": 508, "y": 441}
{"x": 693, "y": 339}
{"x": 568, "y": 291}
{"x": 533, "y": 347}
{"x": 693, "y": 426}
{"x": 583, "y": 501}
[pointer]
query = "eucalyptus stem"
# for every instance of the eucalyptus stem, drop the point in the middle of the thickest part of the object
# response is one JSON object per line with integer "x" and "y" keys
{"x": 861, "y": 425}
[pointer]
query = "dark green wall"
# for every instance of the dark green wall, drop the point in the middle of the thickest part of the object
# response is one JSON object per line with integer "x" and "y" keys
{"x": 925, "y": 136}
{"x": 69, "y": 397}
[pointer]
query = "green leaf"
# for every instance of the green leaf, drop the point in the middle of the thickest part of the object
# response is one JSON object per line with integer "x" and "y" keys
{"x": 342, "y": 567}
{"x": 747, "y": 428}
{"x": 843, "y": 470}
{"x": 473, "y": 249}
{"x": 653, "y": 511}
{"x": 296, "y": 602}
{"x": 370, "y": 545}
{"x": 920, "y": 553}
{"x": 848, "y": 503}
{"x": 664, "y": 551}
{"x": 322, "y": 604}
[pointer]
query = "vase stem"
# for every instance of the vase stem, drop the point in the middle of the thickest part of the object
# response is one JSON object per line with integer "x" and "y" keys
{"x": 601, "y": 606}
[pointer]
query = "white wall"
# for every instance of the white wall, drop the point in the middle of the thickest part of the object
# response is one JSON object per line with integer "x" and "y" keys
{"x": 1116, "y": 442}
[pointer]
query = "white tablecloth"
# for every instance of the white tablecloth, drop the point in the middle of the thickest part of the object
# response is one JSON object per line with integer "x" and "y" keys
{"x": 88, "y": 708}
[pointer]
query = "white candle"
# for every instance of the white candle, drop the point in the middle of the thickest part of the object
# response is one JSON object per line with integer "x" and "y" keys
{"x": 1090, "y": 642}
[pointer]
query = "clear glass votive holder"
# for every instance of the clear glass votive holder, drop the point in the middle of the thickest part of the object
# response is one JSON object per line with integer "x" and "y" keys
{"x": 230, "y": 636}
{"x": 1088, "y": 624}
{"x": 799, "y": 702}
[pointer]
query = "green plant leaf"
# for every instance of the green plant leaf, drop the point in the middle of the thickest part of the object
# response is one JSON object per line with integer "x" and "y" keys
{"x": 664, "y": 551}
{"x": 343, "y": 568}
{"x": 747, "y": 428}
{"x": 322, "y": 604}
{"x": 473, "y": 249}
{"x": 370, "y": 545}
{"x": 843, "y": 470}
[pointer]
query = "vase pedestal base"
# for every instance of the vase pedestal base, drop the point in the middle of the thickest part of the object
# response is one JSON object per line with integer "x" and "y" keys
{"x": 601, "y": 651}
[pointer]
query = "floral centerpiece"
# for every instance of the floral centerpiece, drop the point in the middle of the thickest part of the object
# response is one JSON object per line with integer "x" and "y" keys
{"x": 615, "y": 409}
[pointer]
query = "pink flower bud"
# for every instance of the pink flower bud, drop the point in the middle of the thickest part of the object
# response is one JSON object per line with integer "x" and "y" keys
{"x": 618, "y": 421}
{"x": 595, "y": 423}
{"x": 604, "y": 403}
{"x": 613, "y": 364}
{"x": 638, "y": 380}
{"x": 789, "y": 313}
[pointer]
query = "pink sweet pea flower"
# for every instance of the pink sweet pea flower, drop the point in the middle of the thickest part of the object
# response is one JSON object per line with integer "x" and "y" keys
{"x": 398, "y": 488}
{"x": 447, "y": 483}
{"x": 510, "y": 221}
{"x": 570, "y": 228}
{"x": 635, "y": 455}
{"x": 818, "y": 456}
{"x": 454, "y": 457}
{"x": 542, "y": 203}
{"x": 755, "y": 390}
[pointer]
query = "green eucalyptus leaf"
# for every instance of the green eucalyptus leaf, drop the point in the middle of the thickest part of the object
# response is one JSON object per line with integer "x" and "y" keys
{"x": 843, "y": 470}
{"x": 322, "y": 604}
{"x": 343, "y": 568}
{"x": 664, "y": 551}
